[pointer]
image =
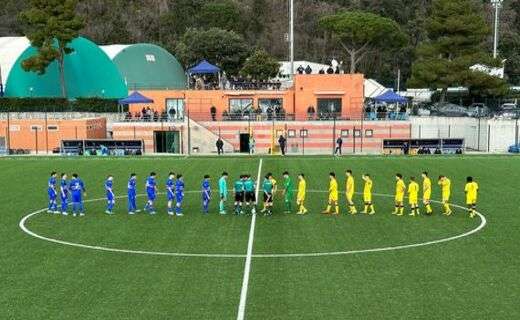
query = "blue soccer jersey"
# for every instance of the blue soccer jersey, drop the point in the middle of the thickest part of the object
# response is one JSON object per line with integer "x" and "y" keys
{"x": 76, "y": 187}
{"x": 206, "y": 189}
{"x": 170, "y": 189}
{"x": 151, "y": 186}
{"x": 64, "y": 189}
{"x": 109, "y": 190}
{"x": 51, "y": 188}
{"x": 131, "y": 187}
{"x": 179, "y": 190}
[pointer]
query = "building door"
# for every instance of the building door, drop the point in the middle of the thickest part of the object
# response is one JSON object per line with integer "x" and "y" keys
{"x": 167, "y": 142}
{"x": 244, "y": 142}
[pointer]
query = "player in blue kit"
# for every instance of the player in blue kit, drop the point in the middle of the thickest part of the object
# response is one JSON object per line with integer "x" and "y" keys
{"x": 151, "y": 192}
{"x": 51, "y": 191}
{"x": 179, "y": 195}
{"x": 132, "y": 194}
{"x": 64, "y": 194}
{"x": 170, "y": 192}
{"x": 77, "y": 189}
{"x": 111, "y": 199}
{"x": 206, "y": 194}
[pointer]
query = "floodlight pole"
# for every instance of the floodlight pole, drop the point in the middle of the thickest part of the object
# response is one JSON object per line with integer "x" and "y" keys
{"x": 291, "y": 36}
{"x": 496, "y": 4}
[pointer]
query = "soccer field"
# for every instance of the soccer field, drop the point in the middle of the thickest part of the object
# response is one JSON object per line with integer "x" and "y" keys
{"x": 284, "y": 266}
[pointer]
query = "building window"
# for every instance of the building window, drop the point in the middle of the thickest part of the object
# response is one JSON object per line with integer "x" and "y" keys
{"x": 357, "y": 133}
{"x": 345, "y": 133}
{"x": 274, "y": 104}
{"x": 36, "y": 128}
{"x": 329, "y": 108}
{"x": 150, "y": 57}
{"x": 175, "y": 109}
{"x": 52, "y": 128}
{"x": 304, "y": 133}
{"x": 291, "y": 133}
{"x": 240, "y": 106}
{"x": 369, "y": 133}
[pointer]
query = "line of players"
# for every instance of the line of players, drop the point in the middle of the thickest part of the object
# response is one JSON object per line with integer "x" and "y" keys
{"x": 471, "y": 190}
{"x": 244, "y": 190}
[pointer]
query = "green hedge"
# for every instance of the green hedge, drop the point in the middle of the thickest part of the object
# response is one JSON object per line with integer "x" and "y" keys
{"x": 58, "y": 105}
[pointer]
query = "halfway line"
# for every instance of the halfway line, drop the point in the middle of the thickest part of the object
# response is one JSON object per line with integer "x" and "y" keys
{"x": 249, "y": 255}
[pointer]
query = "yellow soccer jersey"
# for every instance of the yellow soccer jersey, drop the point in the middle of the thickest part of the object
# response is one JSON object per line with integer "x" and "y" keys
{"x": 275, "y": 187}
{"x": 367, "y": 191}
{"x": 350, "y": 185}
{"x": 302, "y": 188}
{"x": 427, "y": 188}
{"x": 445, "y": 189}
{"x": 471, "y": 190}
{"x": 400, "y": 189}
{"x": 333, "y": 190}
{"x": 413, "y": 192}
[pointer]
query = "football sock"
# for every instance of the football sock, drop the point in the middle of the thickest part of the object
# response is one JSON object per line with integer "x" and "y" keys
{"x": 328, "y": 208}
{"x": 336, "y": 209}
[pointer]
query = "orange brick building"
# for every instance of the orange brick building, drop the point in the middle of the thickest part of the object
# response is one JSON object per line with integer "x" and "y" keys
{"x": 41, "y": 135}
{"x": 343, "y": 92}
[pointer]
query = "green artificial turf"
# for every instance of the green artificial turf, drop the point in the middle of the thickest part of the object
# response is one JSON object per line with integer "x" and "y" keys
{"x": 475, "y": 277}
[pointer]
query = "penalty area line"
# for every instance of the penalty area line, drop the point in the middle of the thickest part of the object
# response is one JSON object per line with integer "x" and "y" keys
{"x": 249, "y": 255}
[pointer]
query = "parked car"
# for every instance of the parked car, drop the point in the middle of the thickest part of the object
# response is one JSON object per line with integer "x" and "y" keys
{"x": 478, "y": 110}
{"x": 451, "y": 110}
{"x": 508, "y": 114}
{"x": 514, "y": 148}
{"x": 508, "y": 106}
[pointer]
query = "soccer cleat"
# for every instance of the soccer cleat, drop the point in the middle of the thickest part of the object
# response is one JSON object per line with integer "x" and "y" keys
{"x": 412, "y": 214}
{"x": 131, "y": 212}
{"x": 372, "y": 212}
{"x": 179, "y": 214}
{"x": 223, "y": 212}
{"x": 152, "y": 213}
{"x": 138, "y": 210}
{"x": 65, "y": 213}
{"x": 73, "y": 214}
{"x": 108, "y": 212}
{"x": 325, "y": 212}
{"x": 364, "y": 212}
{"x": 81, "y": 214}
{"x": 49, "y": 211}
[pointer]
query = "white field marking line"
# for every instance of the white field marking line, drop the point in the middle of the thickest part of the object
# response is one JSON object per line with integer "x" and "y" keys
{"x": 247, "y": 267}
{"x": 22, "y": 226}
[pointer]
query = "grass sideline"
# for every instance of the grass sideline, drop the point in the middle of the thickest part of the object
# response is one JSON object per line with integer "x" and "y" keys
{"x": 473, "y": 277}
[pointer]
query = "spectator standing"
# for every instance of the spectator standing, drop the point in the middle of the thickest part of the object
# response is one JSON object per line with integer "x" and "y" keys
{"x": 339, "y": 144}
{"x": 220, "y": 146}
{"x": 282, "y": 142}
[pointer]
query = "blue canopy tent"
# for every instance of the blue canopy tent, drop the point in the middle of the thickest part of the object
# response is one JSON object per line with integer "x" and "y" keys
{"x": 135, "y": 97}
{"x": 390, "y": 97}
{"x": 204, "y": 67}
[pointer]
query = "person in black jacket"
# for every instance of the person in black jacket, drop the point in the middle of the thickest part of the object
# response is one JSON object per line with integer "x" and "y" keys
{"x": 339, "y": 144}
{"x": 220, "y": 146}
{"x": 282, "y": 142}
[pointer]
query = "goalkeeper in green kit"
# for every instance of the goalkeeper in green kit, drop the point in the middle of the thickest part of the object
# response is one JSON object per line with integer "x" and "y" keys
{"x": 288, "y": 192}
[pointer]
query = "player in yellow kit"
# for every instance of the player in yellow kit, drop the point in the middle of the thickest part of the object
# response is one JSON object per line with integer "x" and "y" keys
{"x": 445, "y": 185}
{"x": 400, "y": 189}
{"x": 413, "y": 196}
{"x": 427, "y": 192}
{"x": 300, "y": 196}
{"x": 471, "y": 190}
{"x": 350, "y": 192}
{"x": 333, "y": 195}
{"x": 367, "y": 195}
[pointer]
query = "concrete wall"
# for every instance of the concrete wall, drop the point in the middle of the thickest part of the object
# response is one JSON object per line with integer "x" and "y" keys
{"x": 487, "y": 135}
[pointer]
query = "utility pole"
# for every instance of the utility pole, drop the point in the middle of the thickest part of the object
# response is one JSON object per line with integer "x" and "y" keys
{"x": 291, "y": 37}
{"x": 496, "y": 4}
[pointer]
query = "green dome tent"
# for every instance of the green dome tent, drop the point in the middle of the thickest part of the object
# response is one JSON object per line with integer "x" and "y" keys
{"x": 147, "y": 66}
{"x": 89, "y": 72}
